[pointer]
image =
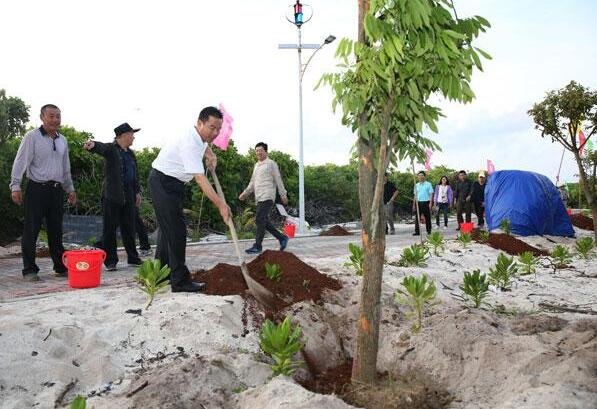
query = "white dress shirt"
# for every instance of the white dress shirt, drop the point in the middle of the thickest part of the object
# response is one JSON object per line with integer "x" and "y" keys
{"x": 182, "y": 158}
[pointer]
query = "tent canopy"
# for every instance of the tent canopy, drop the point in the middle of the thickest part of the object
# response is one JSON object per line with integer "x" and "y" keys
{"x": 529, "y": 200}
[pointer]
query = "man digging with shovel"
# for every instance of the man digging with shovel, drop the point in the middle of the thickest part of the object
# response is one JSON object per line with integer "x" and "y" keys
{"x": 179, "y": 161}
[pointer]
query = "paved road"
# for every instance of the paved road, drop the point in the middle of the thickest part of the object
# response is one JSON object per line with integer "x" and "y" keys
{"x": 201, "y": 256}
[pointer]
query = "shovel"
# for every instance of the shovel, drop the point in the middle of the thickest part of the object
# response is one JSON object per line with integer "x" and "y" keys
{"x": 262, "y": 294}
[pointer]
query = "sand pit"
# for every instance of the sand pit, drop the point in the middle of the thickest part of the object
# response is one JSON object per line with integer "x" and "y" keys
{"x": 581, "y": 221}
{"x": 299, "y": 280}
{"x": 336, "y": 231}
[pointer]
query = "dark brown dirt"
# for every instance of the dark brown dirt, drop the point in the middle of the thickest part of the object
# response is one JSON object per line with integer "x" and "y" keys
{"x": 508, "y": 244}
{"x": 582, "y": 222}
{"x": 299, "y": 280}
{"x": 43, "y": 252}
{"x": 412, "y": 390}
{"x": 336, "y": 231}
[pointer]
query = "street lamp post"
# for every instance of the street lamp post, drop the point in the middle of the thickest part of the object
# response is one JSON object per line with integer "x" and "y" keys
{"x": 299, "y": 18}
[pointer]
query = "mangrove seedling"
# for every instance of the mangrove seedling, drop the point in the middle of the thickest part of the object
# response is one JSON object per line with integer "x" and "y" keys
{"x": 436, "y": 241}
{"x": 152, "y": 278}
{"x": 475, "y": 286}
{"x": 80, "y": 402}
{"x": 585, "y": 246}
{"x": 484, "y": 236}
{"x": 281, "y": 342}
{"x": 503, "y": 273}
{"x": 505, "y": 226}
{"x": 464, "y": 239}
{"x": 528, "y": 263}
{"x": 355, "y": 259}
{"x": 414, "y": 256}
{"x": 273, "y": 271}
{"x": 418, "y": 293}
{"x": 560, "y": 256}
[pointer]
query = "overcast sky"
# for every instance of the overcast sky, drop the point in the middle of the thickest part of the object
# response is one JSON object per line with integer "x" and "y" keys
{"x": 155, "y": 64}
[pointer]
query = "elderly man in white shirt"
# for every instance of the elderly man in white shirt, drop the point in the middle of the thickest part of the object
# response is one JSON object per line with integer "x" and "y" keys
{"x": 264, "y": 182}
{"x": 178, "y": 162}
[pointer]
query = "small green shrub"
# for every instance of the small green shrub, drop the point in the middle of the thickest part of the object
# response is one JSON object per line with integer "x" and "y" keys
{"x": 464, "y": 239}
{"x": 560, "y": 256}
{"x": 273, "y": 272}
{"x": 281, "y": 342}
{"x": 152, "y": 278}
{"x": 475, "y": 287}
{"x": 503, "y": 273}
{"x": 414, "y": 256}
{"x": 484, "y": 236}
{"x": 418, "y": 293}
{"x": 355, "y": 260}
{"x": 436, "y": 241}
{"x": 80, "y": 402}
{"x": 505, "y": 226}
{"x": 585, "y": 246}
{"x": 528, "y": 263}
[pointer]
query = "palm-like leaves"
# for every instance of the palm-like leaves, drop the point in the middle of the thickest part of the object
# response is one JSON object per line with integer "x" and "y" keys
{"x": 152, "y": 278}
{"x": 281, "y": 342}
{"x": 475, "y": 286}
{"x": 417, "y": 293}
{"x": 528, "y": 263}
{"x": 436, "y": 241}
{"x": 505, "y": 269}
{"x": 414, "y": 256}
{"x": 561, "y": 256}
{"x": 464, "y": 239}
{"x": 584, "y": 247}
{"x": 355, "y": 260}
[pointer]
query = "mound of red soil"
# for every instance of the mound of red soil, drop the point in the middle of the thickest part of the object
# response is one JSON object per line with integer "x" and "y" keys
{"x": 299, "y": 280}
{"x": 336, "y": 231}
{"x": 582, "y": 222}
{"x": 508, "y": 244}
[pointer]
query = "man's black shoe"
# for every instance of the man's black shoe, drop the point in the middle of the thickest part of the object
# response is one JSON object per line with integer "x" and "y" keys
{"x": 189, "y": 287}
{"x": 416, "y": 234}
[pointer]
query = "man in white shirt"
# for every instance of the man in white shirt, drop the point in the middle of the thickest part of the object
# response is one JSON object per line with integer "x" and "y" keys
{"x": 264, "y": 182}
{"x": 178, "y": 162}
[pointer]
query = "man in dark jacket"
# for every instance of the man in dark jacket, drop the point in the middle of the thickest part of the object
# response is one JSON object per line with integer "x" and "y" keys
{"x": 462, "y": 196}
{"x": 120, "y": 193}
{"x": 478, "y": 198}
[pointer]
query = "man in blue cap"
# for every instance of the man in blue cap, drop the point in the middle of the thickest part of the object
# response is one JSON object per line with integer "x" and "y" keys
{"x": 120, "y": 193}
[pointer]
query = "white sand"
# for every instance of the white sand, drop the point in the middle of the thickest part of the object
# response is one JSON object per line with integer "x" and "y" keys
{"x": 190, "y": 348}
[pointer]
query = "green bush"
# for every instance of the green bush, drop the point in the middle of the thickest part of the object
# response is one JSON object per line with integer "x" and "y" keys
{"x": 355, "y": 259}
{"x": 528, "y": 263}
{"x": 281, "y": 342}
{"x": 584, "y": 247}
{"x": 152, "y": 278}
{"x": 560, "y": 256}
{"x": 273, "y": 272}
{"x": 436, "y": 241}
{"x": 464, "y": 239}
{"x": 418, "y": 294}
{"x": 475, "y": 287}
{"x": 505, "y": 226}
{"x": 504, "y": 271}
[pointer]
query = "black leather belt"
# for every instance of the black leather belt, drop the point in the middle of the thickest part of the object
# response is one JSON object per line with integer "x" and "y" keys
{"x": 49, "y": 183}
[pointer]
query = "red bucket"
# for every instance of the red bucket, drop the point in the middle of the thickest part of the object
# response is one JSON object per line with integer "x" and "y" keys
{"x": 289, "y": 229}
{"x": 84, "y": 267}
{"x": 466, "y": 227}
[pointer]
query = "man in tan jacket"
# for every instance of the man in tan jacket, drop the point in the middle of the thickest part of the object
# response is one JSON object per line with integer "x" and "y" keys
{"x": 264, "y": 182}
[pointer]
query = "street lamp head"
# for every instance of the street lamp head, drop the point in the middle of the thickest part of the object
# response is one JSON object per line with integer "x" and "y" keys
{"x": 329, "y": 39}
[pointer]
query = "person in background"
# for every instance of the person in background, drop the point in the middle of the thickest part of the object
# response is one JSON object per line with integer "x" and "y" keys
{"x": 181, "y": 160}
{"x": 43, "y": 153}
{"x": 389, "y": 195}
{"x": 264, "y": 182}
{"x": 120, "y": 194}
{"x": 478, "y": 198}
{"x": 564, "y": 195}
{"x": 424, "y": 196}
{"x": 462, "y": 196}
{"x": 443, "y": 198}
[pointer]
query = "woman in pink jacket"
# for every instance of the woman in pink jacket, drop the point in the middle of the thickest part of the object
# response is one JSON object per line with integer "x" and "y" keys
{"x": 443, "y": 197}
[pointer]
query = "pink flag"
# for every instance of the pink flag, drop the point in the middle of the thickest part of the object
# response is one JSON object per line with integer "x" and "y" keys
{"x": 582, "y": 140}
{"x": 428, "y": 154}
{"x": 223, "y": 137}
{"x": 490, "y": 167}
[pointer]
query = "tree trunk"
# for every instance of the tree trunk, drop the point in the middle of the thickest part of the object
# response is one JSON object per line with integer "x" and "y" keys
{"x": 364, "y": 367}
{"x": 588, "y": 190}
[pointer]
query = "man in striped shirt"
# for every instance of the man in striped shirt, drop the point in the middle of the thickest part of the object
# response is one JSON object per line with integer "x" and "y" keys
{"x": 43, "y": 153}
{"x": 264, "y": 182}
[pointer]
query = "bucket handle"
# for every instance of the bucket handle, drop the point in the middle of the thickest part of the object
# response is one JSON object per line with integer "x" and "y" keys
{"x": 64, "y": 259}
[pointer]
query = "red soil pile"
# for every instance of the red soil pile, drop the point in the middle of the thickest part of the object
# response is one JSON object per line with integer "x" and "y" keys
{"x": 581, "y": 221}
{"x": 299, "y": 280}
{"x": 336, "y": 231}
{"x": 508, "y": 244}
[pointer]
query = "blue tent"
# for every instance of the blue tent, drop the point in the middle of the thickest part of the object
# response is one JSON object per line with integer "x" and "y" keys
{"x": 529, "y": 200}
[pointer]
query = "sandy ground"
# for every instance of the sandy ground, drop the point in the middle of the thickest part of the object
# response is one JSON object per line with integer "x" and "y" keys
{"x": 192, "y": 351}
